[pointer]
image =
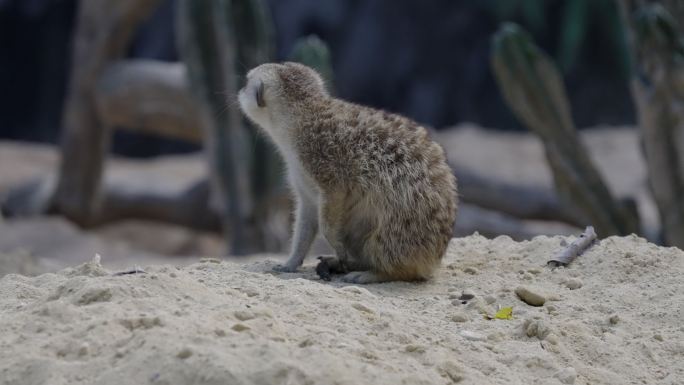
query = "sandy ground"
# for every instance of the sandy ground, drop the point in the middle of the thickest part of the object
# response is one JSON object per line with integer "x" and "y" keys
{"x": 612, "y": 317}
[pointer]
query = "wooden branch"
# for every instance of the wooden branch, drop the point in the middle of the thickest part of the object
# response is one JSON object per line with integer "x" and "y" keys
{"x": 149, "y": 96}
{"x": 518, "y": 201}
{"x": 104, "y": 29}
{"x": 577, "y": 247}
{"x": 535, "y": 92}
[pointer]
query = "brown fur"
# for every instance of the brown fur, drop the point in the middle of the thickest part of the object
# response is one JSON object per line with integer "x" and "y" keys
{"x": 387, "y": 196}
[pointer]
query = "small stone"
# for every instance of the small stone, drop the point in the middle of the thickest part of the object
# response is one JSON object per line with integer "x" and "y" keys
{"x": 466, "y": 295}
{"x": 530, "y": 296}
{"x": 452, "y": 371}
{"x": 552, "y": 338}
{"x": 472, "y": 336}
{"x": 614, "y": 319}
{"x": 567, "y": 375}
{"x": 658, "y": 337}
{"x": 220, "y": 332}
{"x": 184, "y": 353}
{"x": 361, "y": 307}
{"x": 83, "y": 349}
{"x": 244, "y": 315}
{"x": 470, "y": 270}
{"x": 173, "y": 275}
{"x": 459, "y": 317}
{"x": 415, "y": 349}
{"x": 573, "y": 283}
{"x": 489, "y": 299}
{"x": 240, "y": 327}
{"x": 536, "y": 328}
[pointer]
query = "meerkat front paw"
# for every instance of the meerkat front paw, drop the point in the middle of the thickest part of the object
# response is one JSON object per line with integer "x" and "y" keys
{"x": 363, "y": 277}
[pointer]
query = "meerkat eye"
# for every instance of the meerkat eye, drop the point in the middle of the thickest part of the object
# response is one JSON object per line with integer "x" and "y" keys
{"x": 260, "y": 95}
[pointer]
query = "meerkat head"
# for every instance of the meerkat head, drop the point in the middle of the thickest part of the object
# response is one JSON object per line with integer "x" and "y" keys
{"x": 274, "y": 93}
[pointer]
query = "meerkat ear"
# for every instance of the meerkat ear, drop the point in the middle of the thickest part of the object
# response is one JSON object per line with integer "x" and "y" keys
{"x": 260, "y": 95}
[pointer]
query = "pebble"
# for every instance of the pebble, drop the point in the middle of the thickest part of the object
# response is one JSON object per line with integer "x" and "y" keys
{"x": 567, "y": 375}
{"x": 244, "y": 315}
{"x": 536, "y": 328}
{"x": 184, "y": 353}
{"x": 470, "y": 270}
{"x": 573, "y": 283}
{"x": 452, "y": 370}
{"x": 658, "y": 337}
{"x": 459, "y": 317}
{"x": 490, "y": 299}
{"x": 614, "y": 319}
{"x": 361, "y": 307}
{"x": 240, "y": 327}
{"x": 530, "y": 296}
{"x": 472, "y": 336}
{"x": 415, "y": 348}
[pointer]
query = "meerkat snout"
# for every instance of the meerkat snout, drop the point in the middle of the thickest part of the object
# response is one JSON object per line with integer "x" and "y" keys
{"x": 372, "y": 182}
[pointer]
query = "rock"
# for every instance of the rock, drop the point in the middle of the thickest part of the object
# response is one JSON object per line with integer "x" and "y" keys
{"x": 470, "y": 270}
{"x": 452, "y": 371}
{"x": 658, "y": 337}
{"x": 567, "y": 375}
{"x": 240, "y": 327}
{"x": 536, "y": 328}
{"x": 184, "y": 353}
{"x": 467, "y": 294}
{"x": 573, "y": 283}
{"x": 414, "y": 348}
{"x": 363, "y": 308}
{"x": 530, "y": 295}
{"x": 244, "y": 315}
{"x": 490, "y": 299}
{"x": 460, "y": 317}
{"x": 614, "y": 319}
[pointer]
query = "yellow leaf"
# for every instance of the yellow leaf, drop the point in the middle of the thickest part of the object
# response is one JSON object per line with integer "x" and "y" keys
{"x": 504, "y": 313}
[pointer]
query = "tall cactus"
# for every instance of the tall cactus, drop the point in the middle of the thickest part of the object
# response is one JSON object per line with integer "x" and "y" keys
{"x": 213, "y": 43}
{"x": 657, "y": 46}
{"x": 534, "y": 90}
{"x": 314, "y": 52}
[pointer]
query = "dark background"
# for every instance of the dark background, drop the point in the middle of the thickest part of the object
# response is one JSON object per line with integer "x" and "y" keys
{"x": 426, "y": 59}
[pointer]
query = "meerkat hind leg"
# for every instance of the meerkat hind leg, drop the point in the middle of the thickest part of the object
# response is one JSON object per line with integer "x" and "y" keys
{"x": 328, "y": 265}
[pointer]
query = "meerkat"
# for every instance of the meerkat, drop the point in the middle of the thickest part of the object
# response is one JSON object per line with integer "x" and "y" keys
{"x": 372, "y": 182}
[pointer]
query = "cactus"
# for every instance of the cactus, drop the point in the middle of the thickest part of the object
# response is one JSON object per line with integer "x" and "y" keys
{"x": 313, "y": 52}
{"x": 215, "y": 38}
{"x": 657, "y": 45}
{"x": 533, "y": 88}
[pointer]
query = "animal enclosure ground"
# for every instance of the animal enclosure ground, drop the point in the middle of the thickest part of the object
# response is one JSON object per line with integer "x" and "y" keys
{"x": 613, "y": 316}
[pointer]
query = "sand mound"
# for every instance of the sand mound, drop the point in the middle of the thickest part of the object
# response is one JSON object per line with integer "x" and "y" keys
{"x": 613, "y": 317}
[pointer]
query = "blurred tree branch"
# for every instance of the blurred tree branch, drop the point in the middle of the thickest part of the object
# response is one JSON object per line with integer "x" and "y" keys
{"x": 103, "y": 32}
{"x": 656, "y": 42}
{"x": 149, "y": 96}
